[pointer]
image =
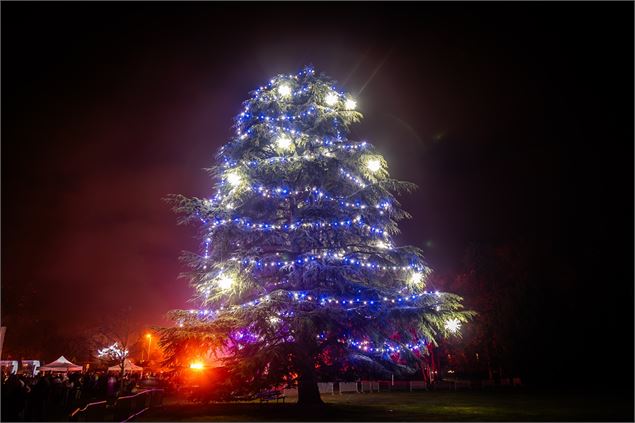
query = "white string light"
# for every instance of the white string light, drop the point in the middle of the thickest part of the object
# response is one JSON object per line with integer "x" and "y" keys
{"x": 373, "y": 165}
{"x": 233, "y": 178}
{"x": 358, "y": 181}
{"x": 225, "y": 281}
{"x": 283, "y": 143}
{"x": 331, "y": 99}
{"x": 113, "y": 352}
{"x": 284, "y": 90}
{"x": 453, "y": 325}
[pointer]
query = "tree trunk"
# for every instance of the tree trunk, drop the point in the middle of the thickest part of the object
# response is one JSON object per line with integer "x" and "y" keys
{"x": 121, "y": 375}
{"x": 308, "y": 392}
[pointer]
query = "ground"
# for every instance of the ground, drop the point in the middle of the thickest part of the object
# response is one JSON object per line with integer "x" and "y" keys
{"x": 508, "y": 405}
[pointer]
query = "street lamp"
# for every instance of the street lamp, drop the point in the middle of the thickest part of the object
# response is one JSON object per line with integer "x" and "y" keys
{"x": 149, "y": 336}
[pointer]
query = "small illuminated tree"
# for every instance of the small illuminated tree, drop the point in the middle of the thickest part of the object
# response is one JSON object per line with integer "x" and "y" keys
{"x": 114, "y": 353}
{"x": 112, "y": 339}
{"x": 298, "y": 264}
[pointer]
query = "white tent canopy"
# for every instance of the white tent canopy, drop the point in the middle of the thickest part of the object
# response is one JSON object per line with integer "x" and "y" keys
{"x": 61, "y": 365}
{"x": 128, "y": 367}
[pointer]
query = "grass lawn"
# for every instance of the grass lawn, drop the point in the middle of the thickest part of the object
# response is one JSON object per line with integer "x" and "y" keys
{"x": 509, "y": 405}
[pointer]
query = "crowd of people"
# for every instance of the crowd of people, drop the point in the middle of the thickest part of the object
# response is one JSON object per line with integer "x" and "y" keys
{"x": 41, "y": 397}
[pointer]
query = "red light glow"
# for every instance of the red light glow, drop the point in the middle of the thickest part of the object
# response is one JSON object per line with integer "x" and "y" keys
{"x": 197, "y": 365}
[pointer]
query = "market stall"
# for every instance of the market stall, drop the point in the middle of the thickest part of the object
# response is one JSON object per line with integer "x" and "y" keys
{"x": 61, "y": 365}
{"x": 129, "y": 366}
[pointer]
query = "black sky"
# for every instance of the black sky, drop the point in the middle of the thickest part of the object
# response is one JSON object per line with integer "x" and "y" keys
{"x": 515, "y": 119}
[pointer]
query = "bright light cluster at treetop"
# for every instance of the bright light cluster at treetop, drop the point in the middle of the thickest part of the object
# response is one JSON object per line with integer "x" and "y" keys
{"x": 298, "y": 264}
{"x": 113, "y": 352}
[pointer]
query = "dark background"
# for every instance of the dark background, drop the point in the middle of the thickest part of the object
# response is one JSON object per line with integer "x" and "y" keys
{"x": 515, "y": 119}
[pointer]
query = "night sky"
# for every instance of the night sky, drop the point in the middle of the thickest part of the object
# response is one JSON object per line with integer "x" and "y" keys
{"x": 515, "y": 120}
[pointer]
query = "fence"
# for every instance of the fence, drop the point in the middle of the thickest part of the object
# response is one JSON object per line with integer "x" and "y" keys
{"x": 92, "y": 412}
{"x": 124, "y": 408}
{"x": 348, "y": 387}
{"x": 370, "y": 386}
{"x": 366, "y": 386}
{"x": 326, "y": 388}
{"x": 402, "y": 385}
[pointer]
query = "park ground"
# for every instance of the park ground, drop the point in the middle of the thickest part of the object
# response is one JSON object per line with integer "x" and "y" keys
{"x": 509, "y": 405}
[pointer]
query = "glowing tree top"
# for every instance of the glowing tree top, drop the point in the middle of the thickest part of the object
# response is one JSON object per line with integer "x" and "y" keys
{"x": 298, "y": 266}
{"x": 113, "y": 352}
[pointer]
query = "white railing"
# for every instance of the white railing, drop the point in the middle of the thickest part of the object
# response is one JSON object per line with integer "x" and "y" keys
{"x": 370, "y": 386}
{"x": 124, "y": 408}
{"x": 348, "y": 387}
{"x": 326, "y": 388}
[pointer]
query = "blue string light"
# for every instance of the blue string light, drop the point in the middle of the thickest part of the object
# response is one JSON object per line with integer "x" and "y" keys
{"x": 322, "y": 300}
{"x": 298, "y": 225}
{"x": 349, "y": 259}
{"x": 283, "y": 192}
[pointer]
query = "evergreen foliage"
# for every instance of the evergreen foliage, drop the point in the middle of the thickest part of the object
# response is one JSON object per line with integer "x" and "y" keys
{"x": 298, "y": 271}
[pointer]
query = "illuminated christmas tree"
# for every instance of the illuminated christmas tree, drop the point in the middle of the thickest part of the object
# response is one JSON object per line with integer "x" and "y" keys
{"x": 298, "y": 266}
